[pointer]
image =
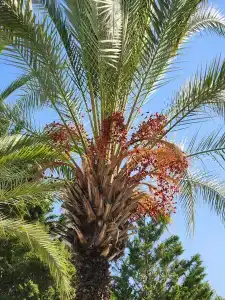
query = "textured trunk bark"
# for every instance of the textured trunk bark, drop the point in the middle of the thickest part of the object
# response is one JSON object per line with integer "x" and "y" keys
{"x": 93, "y": 278}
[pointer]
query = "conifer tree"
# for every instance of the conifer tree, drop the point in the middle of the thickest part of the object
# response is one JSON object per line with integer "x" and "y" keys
{"x": 154, "y": 269}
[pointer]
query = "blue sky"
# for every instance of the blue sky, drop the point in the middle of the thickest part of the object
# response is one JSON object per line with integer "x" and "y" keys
{"x": 209, "y": 237}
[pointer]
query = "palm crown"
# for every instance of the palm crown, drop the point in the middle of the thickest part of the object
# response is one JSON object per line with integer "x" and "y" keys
{"x": 96, "y": 62}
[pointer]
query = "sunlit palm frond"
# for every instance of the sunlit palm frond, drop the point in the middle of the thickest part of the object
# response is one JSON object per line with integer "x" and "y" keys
{"x": 163, "y": 39}
{"x": 14, "y": 86}
{"x": 119, "y": 68}
{"x": 32, "y": 49}
{"x": 205, "y": 90}
{"x": 97, "y": 23}
{"x": 209, "y": 188}
{"x": 35, "y": 237}
{"x": 212, "y": 145}
{"x": 208, "y": 19}
{"x": 19, "y": 150}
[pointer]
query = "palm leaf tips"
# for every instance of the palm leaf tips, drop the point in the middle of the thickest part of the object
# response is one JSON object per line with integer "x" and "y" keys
{"x": 209, "y": 188}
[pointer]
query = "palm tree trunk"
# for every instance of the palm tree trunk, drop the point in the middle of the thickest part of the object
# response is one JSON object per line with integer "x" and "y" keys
{"x": 93, "y": 277}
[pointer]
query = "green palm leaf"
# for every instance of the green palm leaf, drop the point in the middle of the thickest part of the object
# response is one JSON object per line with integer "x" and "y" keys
{"x": 209, "y": 188}
{"x": 212, "y": 145}
{"x": 208, "y": 18}
{"x": 22, "y": 182}
{"x": 205, "y": 90}
{"x": 19, "y": 149}
{"x": 14, "y": 86}
{"x": 26, "y": 190}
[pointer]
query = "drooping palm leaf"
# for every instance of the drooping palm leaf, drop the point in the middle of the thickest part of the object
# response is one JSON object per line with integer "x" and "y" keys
{"x": 208, "y": 18}
{"x": 209, "y": 188}
{"x": 205, "y": 90}
{"x": 22, "y": 182}
{"x": 212, "y": 145}
{"x": 14, "y": 86}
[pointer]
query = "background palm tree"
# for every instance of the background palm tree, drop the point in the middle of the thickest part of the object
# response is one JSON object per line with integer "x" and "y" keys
{"x": 22, "y": 187}
{"x": 96, "y": 62}
{"x": 25, "y": 192}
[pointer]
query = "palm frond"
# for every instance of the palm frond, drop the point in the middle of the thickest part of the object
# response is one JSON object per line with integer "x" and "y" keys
{"x": 33, "y": 50}
{"x": 208, "y": 19}
{"x": 163, "y": 39}
{"x": 14, "y": 173}
{"x": 212, "y": 145}
{"x": 17, "y": 150}
{"x": 97, "y": 23}
{"x": 209, "y": 188}
{"x": 142, "y": 61}
{"x": 32, "y": 98}
{"x": 35, "y": 237}
{"x": 55, "y": 12}
{"x": 204, "y": 91}
{"x": 130, "y": 46}
{"x": 219, "y": 108}
{"x": 21, "y": 114}
{"x": 27, "y": 191}
{"x": 7, "y": 118}
{"x": 14, "y": 86}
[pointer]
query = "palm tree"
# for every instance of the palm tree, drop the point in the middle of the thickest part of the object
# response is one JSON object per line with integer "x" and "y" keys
{"x": 95, "y": 63}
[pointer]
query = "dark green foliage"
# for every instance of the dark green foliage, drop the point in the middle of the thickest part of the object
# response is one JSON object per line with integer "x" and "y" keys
{"x": 154, "y": 269}
{"x": 23, "y": 275}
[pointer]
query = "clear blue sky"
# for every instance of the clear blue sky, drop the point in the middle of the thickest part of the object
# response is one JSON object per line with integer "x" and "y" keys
{"x": 209, "y": 238}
